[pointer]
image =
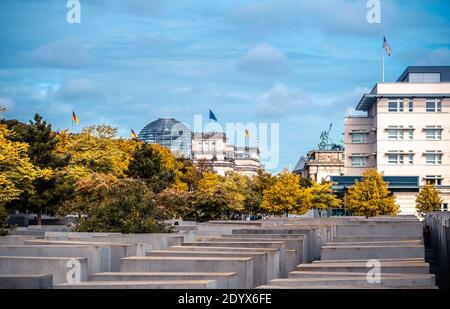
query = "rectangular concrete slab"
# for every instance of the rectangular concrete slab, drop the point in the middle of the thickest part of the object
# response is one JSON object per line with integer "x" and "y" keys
{"x": 387, "y": 267}
{"x": 397, "y": 229}
{"x": 296, "y": 242}
{"x": 15, "y": 281}
{"x": 57, "y": 266}
{"x": 338, "y": 239}
{"x": 224, "y": 280}
{"x": 99, "y": 257}
{"x": 280, "y": 246}
{"x": 118, "y": 250}
{"x": 357, "y": 282}
{"x": 171, "y": 284}
{"x": 412, "y": 260}
{"x": 260, "y": 262}
{"x": 342, "y": 252}
{"x": 273, "y": 255}
{"x": 242, "y": 266}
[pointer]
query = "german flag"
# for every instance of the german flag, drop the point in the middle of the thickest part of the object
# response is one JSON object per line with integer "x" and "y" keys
{"x": 247, "y": 133}
{"x": 74, "y": 117}
{"x": 133, "y": 135}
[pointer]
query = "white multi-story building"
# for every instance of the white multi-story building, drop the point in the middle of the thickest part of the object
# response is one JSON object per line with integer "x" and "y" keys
{"x": 404, "y": 134}
{"x": 210, "y": 149}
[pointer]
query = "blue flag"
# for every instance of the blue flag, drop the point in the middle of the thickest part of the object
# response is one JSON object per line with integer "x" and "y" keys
{"x": 212, "y": 116}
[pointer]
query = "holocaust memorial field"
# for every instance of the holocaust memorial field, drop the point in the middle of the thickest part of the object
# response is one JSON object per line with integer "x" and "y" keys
{"x": 278, "y": 253}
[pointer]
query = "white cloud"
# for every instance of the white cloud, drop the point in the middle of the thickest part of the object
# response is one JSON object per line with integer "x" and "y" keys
{"x": 440, "y": 56}
{"x": 80, "y": 88}
{"x": 65, "y": 53}
{"x": 264, "y": 59}
{"x": 7, "y": 102}
{"x": 281, "y": 101}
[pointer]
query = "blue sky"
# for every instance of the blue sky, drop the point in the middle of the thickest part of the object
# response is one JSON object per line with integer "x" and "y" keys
{"x": 303, "y": 64}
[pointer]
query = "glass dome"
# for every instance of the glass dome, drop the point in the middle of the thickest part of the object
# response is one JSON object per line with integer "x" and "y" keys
{"x": 170, "y": 133}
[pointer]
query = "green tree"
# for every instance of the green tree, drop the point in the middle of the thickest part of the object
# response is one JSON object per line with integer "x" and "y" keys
{"x": 148, "y": 164}
{"x": 50, "y": 190}
{"x": 187, "y": 174}
{"x": 104, "y": 203}
{"x": 97, "y": 150}
{"x": 428, "y": 199}
{"x": 322, "y": 196}
{"x": 217, "y": 198}
{"x": 17, "y": 173}
{"x": 371, "y": 197}
{"x": 286, "y": 197}
{"x": 255, "y": 193}
{"x": 174, "y": 203}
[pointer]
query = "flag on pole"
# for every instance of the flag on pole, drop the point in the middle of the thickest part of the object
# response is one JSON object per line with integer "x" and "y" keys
{"x": 247, "y": 133}
{"x": 74, "y": 117}
{"x": 212, "y": 116}
{"x": 133, "y": 135}
{"x": 387, "y": 47}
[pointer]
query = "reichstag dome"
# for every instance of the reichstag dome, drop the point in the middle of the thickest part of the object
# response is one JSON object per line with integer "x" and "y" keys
{"x": 170, "y": 133}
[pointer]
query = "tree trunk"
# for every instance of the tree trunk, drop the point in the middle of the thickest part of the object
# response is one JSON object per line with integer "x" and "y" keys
{"x": 39, "y": 217}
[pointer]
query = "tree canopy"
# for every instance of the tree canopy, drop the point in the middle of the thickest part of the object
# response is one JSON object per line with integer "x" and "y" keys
{"x": 286, "y": 196}
{"x": 371, "y": 197}
{"x": 428, "y": 199}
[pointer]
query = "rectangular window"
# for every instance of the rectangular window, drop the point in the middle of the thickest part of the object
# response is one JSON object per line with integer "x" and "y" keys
{"x": 396, "y": 158}
{"x": 359, "y": 138}
{"x": 424, "y": 77}
{"x": 410, "y": 106}
{"x": 411, "y": 159}
{"x": 359, "y": 161}
{"x": 411, "y": 134}
{"x": 433, "y": 106}
{"x": 434, "y": 180}
{"x": 395, "y": 105}
{"x": 434, "y": 158}
{"x": 395, "y": 134}
{"x": 434, "y": 134}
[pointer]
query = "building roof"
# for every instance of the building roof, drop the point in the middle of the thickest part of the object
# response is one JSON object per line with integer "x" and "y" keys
{"x": 367, "y": 101}
{"x": 444, "y": 70}
{"x": 163, "y": 126}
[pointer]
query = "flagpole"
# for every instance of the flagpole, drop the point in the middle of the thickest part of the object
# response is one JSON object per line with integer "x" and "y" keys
{"x": 382, "y": 57}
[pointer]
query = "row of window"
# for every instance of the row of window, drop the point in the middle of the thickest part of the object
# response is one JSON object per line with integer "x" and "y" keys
{"x": 398, "y": 105}
{"x": 398, "y": 133}
{"x": 400, "y": 158}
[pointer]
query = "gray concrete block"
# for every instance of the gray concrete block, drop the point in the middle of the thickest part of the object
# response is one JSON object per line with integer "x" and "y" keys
{"x": 341, "y": 239}
{"x": 99, "y": 257}
{"x": 377, "y": 243}
{"x": 242, "y": 266}
{"x": 14, "y": 281}
{"x": 17, "y": 239}
{"x": 388, "y": 281}
{"x": 57, "y": 266}
{"x": 386, "y": 267}
{"x": 118, "y": 250}
{"x": 260, "y": 262}
{"x": 371, "y": 252}
{"x": 224, "y": 280}
{"x": 171, "y": 284}
{"x": 248, "y": 244}
{"x": 397, "y": 229}
{"x": 273, "y": 255}
{"x": 296, "y": 242}
{"x": 410, "y": 260}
